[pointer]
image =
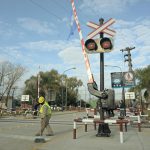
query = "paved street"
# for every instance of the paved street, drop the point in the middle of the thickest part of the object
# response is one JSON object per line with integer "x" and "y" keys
{"x": 18, "y": 134}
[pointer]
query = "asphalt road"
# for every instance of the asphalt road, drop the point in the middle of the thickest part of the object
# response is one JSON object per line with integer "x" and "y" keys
{"x": 18, "y": 134}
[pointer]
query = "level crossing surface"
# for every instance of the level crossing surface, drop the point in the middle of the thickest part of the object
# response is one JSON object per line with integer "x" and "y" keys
{"x": 18, "y": 134}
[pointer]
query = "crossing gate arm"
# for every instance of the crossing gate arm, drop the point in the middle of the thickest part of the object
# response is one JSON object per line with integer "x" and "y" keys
{"x": 92, "y": 86}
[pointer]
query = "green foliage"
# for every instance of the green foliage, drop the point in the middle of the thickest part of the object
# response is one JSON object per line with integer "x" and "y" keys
{"x": 93, "y": 103}
{"x": 142, "y": 76}
{"x": 31, "y": 87}
{"x": 146, "y": 95}
{"x": 52, "y": 81}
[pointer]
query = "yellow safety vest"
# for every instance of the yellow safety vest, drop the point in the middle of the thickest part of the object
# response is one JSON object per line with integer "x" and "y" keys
{"x": 42, "y": 108}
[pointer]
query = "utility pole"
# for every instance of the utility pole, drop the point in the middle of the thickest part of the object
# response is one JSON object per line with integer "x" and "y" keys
{"x": 128, "y": 55}
{"x": 38, "y": 83}
{"x": 127, "y": 58}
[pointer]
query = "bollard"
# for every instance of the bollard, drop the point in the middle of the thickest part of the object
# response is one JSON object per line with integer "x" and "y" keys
{"x": 121, "y": 133}
{"x": 74, "y": 130}
{"x": 139, "y": 123}
{"x": 85, "y": 127}
{"x": 94, "y": 125}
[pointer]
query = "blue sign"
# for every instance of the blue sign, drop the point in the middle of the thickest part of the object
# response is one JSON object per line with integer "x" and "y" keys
{"x": 122, "y": 79}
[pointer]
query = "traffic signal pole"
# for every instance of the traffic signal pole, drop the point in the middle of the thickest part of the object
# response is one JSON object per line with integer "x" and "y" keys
{"x": 101, "y": 73}
{"x": 103, "y": 129}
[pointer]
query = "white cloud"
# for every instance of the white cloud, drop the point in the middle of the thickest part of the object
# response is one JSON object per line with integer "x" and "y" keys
{"x": 38, "y": 46}
{"x": 11, "y": 52}
{"x": 7, "y": 31}
{"x": 140, "y": 59}
{"x": 36, "y": 25}
{"x": 71, "y": 55}
{"x": 53, "y": 45}
{"x": 107, "y": 6}
{"x": 135, "y": 34}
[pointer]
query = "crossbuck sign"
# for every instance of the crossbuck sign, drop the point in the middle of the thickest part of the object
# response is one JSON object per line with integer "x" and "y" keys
{"x": 101, "y": 28}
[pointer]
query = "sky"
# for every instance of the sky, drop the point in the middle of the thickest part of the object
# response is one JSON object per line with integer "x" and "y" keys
{"x": 34, "y": 34}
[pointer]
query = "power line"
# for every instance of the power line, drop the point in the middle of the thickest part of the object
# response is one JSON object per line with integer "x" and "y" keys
{"x": 58, "y": 4}
{"x": 45, "y": 9}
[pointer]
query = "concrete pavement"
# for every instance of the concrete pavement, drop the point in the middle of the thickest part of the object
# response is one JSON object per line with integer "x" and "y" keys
{"x": 19, "y": 135}
{"x": 133, "y": 140}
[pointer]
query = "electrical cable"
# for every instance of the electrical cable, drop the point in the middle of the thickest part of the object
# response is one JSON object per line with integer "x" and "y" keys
{"x": 58, "y": 4}
{"x": 46, "y": 10}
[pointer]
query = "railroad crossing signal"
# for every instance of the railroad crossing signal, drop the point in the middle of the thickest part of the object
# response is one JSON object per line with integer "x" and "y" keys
{"x": 101, "y": 28}
{"x": 96, "y": 26}
{"x": 99, "y": 45}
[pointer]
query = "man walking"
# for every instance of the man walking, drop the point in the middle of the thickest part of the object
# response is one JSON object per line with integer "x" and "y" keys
{"x": 45, "y": 115}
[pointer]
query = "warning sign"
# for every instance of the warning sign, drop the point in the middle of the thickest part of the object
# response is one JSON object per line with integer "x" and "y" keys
{"x": 128, "y": 76}
{"x": 129, "y": 79}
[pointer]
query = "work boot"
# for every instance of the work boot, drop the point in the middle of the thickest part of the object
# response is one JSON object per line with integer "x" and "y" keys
{"x": 38, "y": 134}
{"x": 50, "y": 134}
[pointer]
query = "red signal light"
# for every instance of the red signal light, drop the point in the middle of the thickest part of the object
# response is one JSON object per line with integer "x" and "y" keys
{"x": 91, "y": 45}
{"x": 101, "y": 45}
{"x": 106, "y": 43}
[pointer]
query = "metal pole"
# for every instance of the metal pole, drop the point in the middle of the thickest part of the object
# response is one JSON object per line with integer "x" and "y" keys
{"x": 103, "y": 129}
{"x": 101, "y": 73}
{"x": 66, "y": 96}
{"x": 62, "y": 94}
{"x": 38, "y": 82}
{"x": 85, "y": 94}
{"x": 66, "y": 89}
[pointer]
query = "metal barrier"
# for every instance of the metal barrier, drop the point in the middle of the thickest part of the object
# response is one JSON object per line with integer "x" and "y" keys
{"x": 85, "y": 121}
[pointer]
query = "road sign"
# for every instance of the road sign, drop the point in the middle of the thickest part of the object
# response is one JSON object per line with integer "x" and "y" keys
{"x": 129, "y": 79}
{"x": 25, "y": 98}
{"x": 101, "y": 28}
{"x": 107, "y": 30}
{"x": 122, "y": 79}
{"x": 128, "y": 76}
{"x": 129, "y": 95}
{"x": 116, "y": 80}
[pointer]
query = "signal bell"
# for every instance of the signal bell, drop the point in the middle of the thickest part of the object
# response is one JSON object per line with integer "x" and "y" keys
{"x": 100, "y": 45}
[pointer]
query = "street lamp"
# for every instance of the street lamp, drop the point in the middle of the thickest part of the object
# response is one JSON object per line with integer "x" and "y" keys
{"x": 84, "y": 95}
{"x": 66, "y": 88}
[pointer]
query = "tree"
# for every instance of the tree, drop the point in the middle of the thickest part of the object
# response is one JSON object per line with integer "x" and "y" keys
{"x": 51, "y": 82}
{"x": 9, "y": 75}
{"x": 72, "y": 85}
{"x": 142, "y": 76}
{"x": 31, "y": 87}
